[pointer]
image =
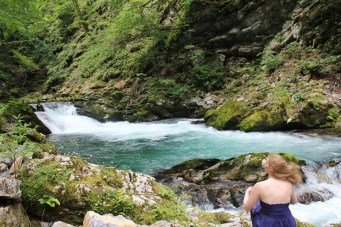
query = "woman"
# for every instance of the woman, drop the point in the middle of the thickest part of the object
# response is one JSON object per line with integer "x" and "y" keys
{"x": 269, "y": 200}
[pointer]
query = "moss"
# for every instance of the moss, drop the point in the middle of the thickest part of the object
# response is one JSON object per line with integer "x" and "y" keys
{"x": 263, "y": 120}
{"x": 110, "y": 201}
{"x": 3, "y": 125}
{"x": 303, "y": 224}
{"x": 164, "y": 210}
{"x": 209, "y": 218}
{"x": 227, "y": 116}
{"x": 292, "y": 158}
{"x": 141, "y": 115}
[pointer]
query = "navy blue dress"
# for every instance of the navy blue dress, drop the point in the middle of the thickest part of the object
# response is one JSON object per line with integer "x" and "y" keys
{"x": 272, "y": 215}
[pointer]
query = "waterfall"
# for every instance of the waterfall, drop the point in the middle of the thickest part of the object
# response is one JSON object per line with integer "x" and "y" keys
{"x": 62, "y": 118}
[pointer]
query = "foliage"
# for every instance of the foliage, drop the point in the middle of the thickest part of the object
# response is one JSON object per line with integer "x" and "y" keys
{"x": 208, "y": 76}
{"x": 25, "y": 61}
{"x": 272, "y": 62}
{"x": 49, "y": 200}
{"x": 298, "y": 97}
{"x": 113, "y": 202}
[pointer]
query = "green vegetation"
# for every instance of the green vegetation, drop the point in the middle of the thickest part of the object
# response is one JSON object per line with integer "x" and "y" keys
{"x": 49, "y": 200}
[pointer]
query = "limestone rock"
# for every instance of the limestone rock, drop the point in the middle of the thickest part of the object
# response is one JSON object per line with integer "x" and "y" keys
{"x": 6, "y": 159}
{"x": 61, "y": 224}
{"x": 3, "y": 168}
{"x": 13, "y": 215}
{"x": 93, "y": 219}
{"x": 9, "y": 188}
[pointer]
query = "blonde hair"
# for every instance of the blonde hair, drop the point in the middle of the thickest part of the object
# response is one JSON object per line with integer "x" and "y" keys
{"x": 282, "y": 170}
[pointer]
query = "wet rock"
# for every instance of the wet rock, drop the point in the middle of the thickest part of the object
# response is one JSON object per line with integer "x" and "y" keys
{"x": 314, "y": 196}
{"x": 93, "y": 219}
{"x": 10, "y": 189}
{"x": 13, "y": 215}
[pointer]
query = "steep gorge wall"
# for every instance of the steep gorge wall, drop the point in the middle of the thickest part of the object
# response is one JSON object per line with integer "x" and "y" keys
{"x": 190, "y": 56}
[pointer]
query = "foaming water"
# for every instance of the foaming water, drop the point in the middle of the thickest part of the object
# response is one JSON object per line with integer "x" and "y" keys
{"x": 325, "y": 181}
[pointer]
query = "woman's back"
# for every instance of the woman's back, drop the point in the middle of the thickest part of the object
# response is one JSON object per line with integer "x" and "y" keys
{"x": 275, "y": 191}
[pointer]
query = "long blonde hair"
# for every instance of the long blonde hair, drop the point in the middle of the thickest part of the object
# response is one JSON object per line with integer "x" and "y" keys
{"x": 280, "y": 169}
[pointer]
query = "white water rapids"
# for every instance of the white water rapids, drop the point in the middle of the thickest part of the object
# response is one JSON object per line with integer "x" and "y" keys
{"x": 181, "y": 140}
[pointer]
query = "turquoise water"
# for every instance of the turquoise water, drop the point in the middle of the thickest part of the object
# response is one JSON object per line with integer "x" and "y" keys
{"x": 167, "y": 143}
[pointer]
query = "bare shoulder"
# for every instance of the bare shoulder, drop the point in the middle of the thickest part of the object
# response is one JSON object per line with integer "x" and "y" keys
{"x": 260, "y": 185}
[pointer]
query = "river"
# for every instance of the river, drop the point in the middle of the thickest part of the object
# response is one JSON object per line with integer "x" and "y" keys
{"x": 147, "y": 147}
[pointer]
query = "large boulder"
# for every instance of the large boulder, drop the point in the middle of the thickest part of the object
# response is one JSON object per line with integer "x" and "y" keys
{"x": 80, "y": 186}
{"x": 92, "y": 219}
{"x": 264, "y": 120}
{"x": 227, "y": 116}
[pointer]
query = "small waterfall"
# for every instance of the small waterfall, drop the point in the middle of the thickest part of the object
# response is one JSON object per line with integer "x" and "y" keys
{"x": 320, "y": 196}
{"x": 62, "y": 118}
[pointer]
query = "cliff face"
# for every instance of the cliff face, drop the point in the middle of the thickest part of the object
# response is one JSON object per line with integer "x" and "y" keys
{"x": 152, "y": 60}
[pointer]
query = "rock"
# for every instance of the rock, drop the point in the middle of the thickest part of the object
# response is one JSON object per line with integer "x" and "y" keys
{"x": 4, "y": 158}
{"x": 314, "y": 196}
{"x": 227, "y": 116}
{"x": 217, "y": 183}
{"x": 264, "y": 120}
{"x": 3, "y": 168}
{"x": 13, "y": 215}
{"x": 93, "y": 219}
{"x": 16, "y": 165}
{"x": 93, "y": 187}
{"x": 309, "y": 115}
{"x": 61, "y": 224}
{"x": 163, "y": 224}
{"x": 10, "y": 189}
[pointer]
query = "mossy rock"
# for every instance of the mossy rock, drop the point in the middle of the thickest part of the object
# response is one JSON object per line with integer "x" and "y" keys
{"x": 81, "y": 186}
{"x": 213, "y": 218}
{"x": 18, "y": 108}
{"x": 195, "y": 164}
{"x": 264, "y": 120}
{"x": 227, "y": 116}
{"x": 310, "y": 115}
{"x": 249, "y": 168}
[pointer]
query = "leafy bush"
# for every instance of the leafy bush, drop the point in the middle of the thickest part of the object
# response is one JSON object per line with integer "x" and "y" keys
{"x": 208, "y": 76}
{"x": 272, "y": 62}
